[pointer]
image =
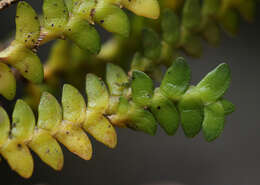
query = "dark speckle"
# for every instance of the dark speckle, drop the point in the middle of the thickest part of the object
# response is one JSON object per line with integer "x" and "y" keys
{"x": 19, "y": 146}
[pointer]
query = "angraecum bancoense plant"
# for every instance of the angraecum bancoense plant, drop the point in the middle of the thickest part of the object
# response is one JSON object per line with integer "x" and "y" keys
{"x": 138, "y": 78}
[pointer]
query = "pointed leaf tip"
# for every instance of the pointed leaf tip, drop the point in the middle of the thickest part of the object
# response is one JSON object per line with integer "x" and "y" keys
{"x": 215, "y": 83}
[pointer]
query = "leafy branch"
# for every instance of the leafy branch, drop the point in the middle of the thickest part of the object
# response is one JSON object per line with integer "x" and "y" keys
{"x": 126, "y": 101}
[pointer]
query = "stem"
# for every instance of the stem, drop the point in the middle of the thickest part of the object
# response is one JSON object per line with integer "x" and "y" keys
{"x": 6, "y": 3}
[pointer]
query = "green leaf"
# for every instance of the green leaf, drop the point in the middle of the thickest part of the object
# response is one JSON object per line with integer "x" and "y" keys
{"x": 69, "y": 4}
{"x": 84, "y": 9}
{"x": 142, "y": 63}
{"x": 50, "y": 113}
{"x": 215, "y": 83}
{"x": 141, "y": 120}
{"x": 73, "y": 105}
{"x": 170, "y": 27}
{"x": 191, "y": 14}
{"x": 210, "y": 8}
{"x": 47, "y": 148}
{"x": 116, "y": 79}
{"x": 23, "y": 59}
{"x": 212, "y": 33}
{"x": 191, "y": 112}
{"x": 151, "y": 44}
{"x": 112, "y": 18}
{"x": 176, "y": 80}
{"x": 4, "y": 126}
{"x": 191, "y": 43}
{"x": 165, "y": 113}
{"x": 55, "y": 16}
{"x": 228, "y": 106}
{"x": 247, "y": 9}
{"x": 214, "y": 120}
{"x": 147, "y": 8}
{"x": 142, "y": 88}
{"x": 230, "y": 21}
{"x": 83, "y": 35}
{"x": 123, "y": 106}
{"x": 7, "y": 82}
{"x": 19, "y": 157}
{"x": 97, "y": 93}
{"x": 27, "y": 25}
{"x": 23, "y": 121}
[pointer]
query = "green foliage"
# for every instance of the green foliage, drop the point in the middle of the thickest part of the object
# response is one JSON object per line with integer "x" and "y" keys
{"x": 129, "y": 101}
{"x": 70, "y": 19}
{"x": 125, "y": 100}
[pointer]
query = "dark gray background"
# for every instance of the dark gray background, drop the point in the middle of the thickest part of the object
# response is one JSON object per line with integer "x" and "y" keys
{"x": 233, "y": 159}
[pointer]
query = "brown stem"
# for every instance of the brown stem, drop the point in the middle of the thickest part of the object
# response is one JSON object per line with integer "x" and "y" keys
{"x": 6, "y": 3}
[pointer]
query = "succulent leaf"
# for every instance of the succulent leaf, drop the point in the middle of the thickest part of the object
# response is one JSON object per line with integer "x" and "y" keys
{"x": 165, "y": 113}
{"x": 151, "y": 44}
{"x": 7, "y": 82}
{"x": 228, "y": 106}
{"x": 27, "y": 34}
{"x": 142, "y": 88}
{"x": 47, "y": 148}
{"x": 170, "y": 27}
{"x": 73, "y": 105}
{"x": 83, "y": 35}
{"x": 215, "y": 83}
{"x": 191, "y": 15}
{"x": 116, "y": 79}
{"x": 24, "y": 60}
{"x": 112, "y": 18}
{"x": 176, "y": 80}
{"x": 214, "y": 120}
{"x": 18, "y": 157}
{"x": 100, "y": 128}
{"x": 55, "y": 16}
{"x": 4, "y": 126}
{"x": 23, "y": 121}
{"x": 75, "y": 140}
{"x": 191, "y": 112}
{"x": 146, "y": 8}
{"x": 50, "y": 113}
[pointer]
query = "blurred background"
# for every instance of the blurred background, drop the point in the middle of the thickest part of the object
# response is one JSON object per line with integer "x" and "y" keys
{"x": 139, "y": 159}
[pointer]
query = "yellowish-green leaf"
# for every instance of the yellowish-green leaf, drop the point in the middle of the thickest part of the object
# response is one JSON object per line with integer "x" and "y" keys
{"x": 23, "y": 121}
{"x": 4, "y": 126}
{"x": 100, "y": 128}
{"x": 146, "y": 8}
{"x": 116, "y": 79}
{"x": 24, "y": 60}
{"x": 97, "y": 93}
{"x": 75, "y": 140}
{"x": 73, "y": 105}
{"x": 55, "y": 16}
{"x": 112, "y": 18}
{"x": 27, "y": 25}
{"x": 83, "y": 35}
{"x": 47, "y": 148}
{"x": 50, "y": 114}
{"x": 18, "y": 157}
{"x": 7, "y": 82}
